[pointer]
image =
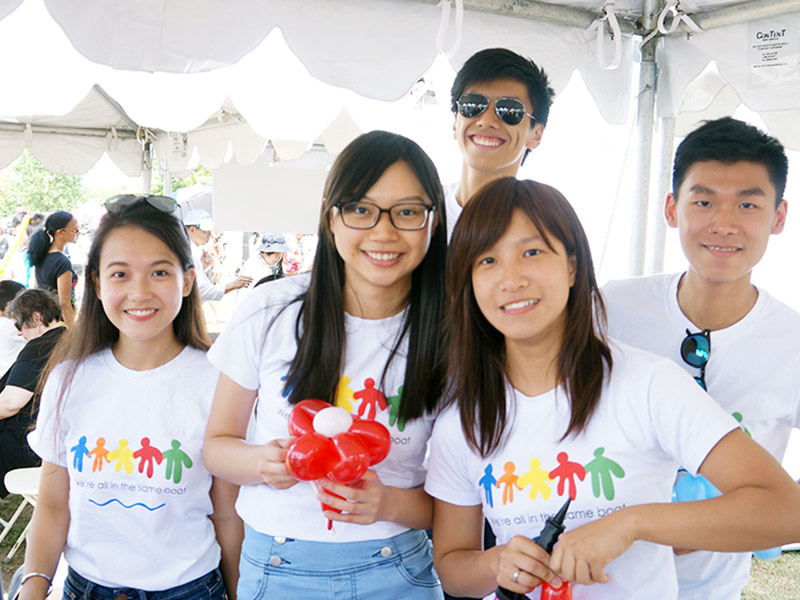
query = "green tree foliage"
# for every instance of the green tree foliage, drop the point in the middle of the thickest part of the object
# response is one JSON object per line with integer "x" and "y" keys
{"x": 199, "y": 175}
{"x": 27, "y": 184}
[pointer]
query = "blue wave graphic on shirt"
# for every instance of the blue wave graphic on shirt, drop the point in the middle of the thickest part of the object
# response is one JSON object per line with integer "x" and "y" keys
{"x": 127, "y": 506}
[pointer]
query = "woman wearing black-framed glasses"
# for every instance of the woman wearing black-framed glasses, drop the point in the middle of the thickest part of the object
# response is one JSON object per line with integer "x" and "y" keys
{"x": 361, "y": 332}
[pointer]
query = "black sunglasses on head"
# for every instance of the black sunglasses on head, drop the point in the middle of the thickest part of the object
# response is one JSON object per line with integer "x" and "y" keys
{"x": 695, "y": 351}
{"x": 116, "y": 204}
{"x": 510, "y": 110}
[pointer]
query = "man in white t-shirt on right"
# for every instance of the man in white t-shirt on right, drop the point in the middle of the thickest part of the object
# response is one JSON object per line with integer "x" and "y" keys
{"x": 501, "y": 102}
{"x": 735, "y": 339}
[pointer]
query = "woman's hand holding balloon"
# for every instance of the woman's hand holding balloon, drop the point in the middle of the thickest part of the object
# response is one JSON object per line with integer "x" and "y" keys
{"x": 272, "y": 464}
{"x": 364, "y": 501}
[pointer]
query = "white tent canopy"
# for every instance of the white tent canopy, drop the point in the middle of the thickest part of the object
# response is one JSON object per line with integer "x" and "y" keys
{"x": 206, "y": 80}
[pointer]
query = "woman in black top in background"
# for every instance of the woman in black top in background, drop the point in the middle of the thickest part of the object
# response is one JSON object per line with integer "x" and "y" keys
{"x": 53, "y": 269}
{"x": 36, "y": 314}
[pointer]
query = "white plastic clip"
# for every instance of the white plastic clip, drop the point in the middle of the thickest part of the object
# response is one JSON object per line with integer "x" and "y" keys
{"x": 443, "y": 23}
{"x": 616, "y": 38}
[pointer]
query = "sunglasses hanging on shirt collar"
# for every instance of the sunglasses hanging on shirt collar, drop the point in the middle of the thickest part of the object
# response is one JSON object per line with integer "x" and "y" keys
{"x": 695, "y": 351}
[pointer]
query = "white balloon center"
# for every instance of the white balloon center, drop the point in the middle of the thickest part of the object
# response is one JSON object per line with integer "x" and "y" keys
{"x": 332, "y": 421}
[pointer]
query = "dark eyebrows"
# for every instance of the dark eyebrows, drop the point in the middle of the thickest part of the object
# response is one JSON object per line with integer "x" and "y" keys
{"x": 406, "y": 200}
{"x": 753, "y": 191}
{"x": 122, "y": 263}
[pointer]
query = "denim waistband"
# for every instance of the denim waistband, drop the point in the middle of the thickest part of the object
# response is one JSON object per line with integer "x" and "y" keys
{"x": 328, "y": 556}
{"x": 89, "y": 589}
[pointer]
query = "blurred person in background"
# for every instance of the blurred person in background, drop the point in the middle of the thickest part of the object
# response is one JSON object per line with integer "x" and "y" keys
{"x": 267, "y": 263}
{"x": 53, "y": 268}
{"x": 199, "y": 227}
{"x": 36, "y": 314}
{"x": 10, "y": 340}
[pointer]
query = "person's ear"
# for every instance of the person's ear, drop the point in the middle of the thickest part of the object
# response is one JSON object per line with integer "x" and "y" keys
{"x": 671, "y": 210}
{"x": 779, "y": 221}
{"x": 188, "y": 281}
{"x": 96, "y": 281}
{"x": 36, "y": 318}
{"x": 573, "y": 269}
{"x": 534, "y": 136}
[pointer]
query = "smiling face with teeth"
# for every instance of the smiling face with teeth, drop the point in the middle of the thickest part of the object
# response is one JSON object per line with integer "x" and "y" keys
{"x": 490, "y": 147}
{"x": 378, "y": 262}
{"x": 725, "y": 213}
{"x": 521, "y": 285}
{"x": 141, "y": 285}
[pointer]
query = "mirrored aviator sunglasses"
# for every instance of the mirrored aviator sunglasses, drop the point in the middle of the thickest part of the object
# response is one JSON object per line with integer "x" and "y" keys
{"x": 510, "y": 110}
{"x": 695, "y": 351}
{"x": 116, "y": 204}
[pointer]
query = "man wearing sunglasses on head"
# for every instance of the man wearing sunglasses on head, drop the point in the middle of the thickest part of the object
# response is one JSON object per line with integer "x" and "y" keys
{"x": 501, "y": 102}
{"x": 738, "y": 342}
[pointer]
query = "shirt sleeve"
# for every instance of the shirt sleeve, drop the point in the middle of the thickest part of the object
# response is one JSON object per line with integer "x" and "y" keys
{"x": 60, "y": 266}
{"x": 24, "y": 374}
{"x": 450, "y": 462}
{"x": 688, "y": 422}
{"x": 238, "y": 349}
{"x": 206, "y": 289}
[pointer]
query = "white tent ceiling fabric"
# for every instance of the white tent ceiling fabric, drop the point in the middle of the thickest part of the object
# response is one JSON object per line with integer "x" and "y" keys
{"x": 173, "y": 63}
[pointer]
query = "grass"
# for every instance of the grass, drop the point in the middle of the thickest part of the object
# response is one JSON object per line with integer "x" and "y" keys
{"x": 777, "y": 579}
{"x": 7, "y": 508}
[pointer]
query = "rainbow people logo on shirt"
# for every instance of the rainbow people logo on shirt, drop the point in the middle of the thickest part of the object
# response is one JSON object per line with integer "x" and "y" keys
{"x": 568, "y": 476}
{"x": 123, "y": 458}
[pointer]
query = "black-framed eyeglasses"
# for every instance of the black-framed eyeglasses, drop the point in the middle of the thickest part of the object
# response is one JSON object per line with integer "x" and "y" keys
{"x": 510, "y": 110}
{"x": 695, "y": 351}
{"x": 116, "y": 204}
{"x": 19, "y": 325}
{"x": 407, "y": 216}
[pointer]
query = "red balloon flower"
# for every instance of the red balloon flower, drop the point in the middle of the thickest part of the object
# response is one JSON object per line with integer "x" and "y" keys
{"x": 333, "y": 443}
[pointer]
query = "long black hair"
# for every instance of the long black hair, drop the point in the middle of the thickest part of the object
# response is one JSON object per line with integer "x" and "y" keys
{"x": 476, "y": 372}
{"x": 41, "y": 241}
{"x": 314, "y": 372}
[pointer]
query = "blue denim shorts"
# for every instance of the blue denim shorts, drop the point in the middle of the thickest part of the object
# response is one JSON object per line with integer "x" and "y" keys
{"x": 400, "y": 567}
{"x": 208, "y": 587}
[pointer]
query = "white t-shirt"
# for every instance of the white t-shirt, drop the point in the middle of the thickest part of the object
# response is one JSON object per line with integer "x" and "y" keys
{"x": 11, "y": 342}
{"x": 650, "y": 418}
{"x": 258, "y": 360}
{"x": 452, "y": 207}
{"x": 138, "y": 491}
{"x": 752, "y": 373}
{"x": 206, "y": 289}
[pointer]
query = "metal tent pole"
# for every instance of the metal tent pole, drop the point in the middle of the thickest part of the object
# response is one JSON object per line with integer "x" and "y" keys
{"x": 645, "y": 110}
{"x": 742, "y": 13}
{"x": 657, "y": 227}
{"x": 147, "y": 167}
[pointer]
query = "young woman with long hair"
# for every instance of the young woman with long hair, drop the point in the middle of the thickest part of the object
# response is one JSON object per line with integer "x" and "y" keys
{"x": 362, "y": 332}
{"x": 123, "y": 493}
{"x": 53, "y": 268}
{"x": 545, "y": 408}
